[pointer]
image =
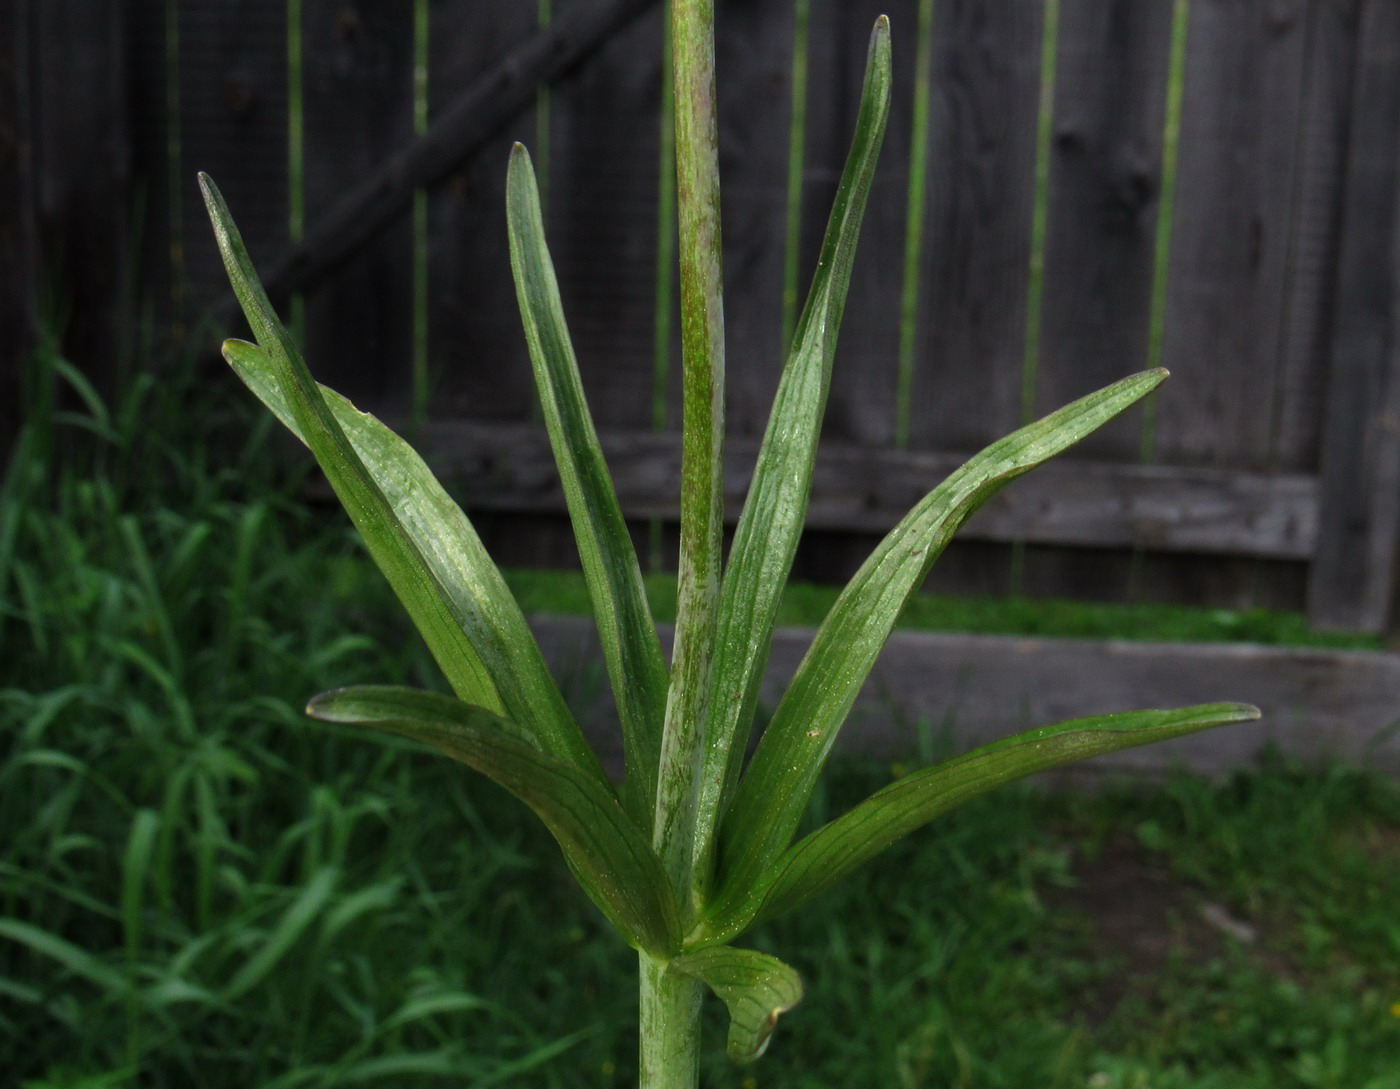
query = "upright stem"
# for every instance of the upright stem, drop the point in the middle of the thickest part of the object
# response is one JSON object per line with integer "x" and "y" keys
{"x": 702, "y": 384}
{"x": 670, "y": 1004}
{"x": 670, "y": 1024}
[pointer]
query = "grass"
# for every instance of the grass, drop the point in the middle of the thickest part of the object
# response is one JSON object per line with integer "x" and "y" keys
{"x": 199, "y": 886}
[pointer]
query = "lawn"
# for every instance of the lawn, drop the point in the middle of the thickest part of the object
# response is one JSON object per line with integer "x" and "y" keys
{"x": 201, "y": 887}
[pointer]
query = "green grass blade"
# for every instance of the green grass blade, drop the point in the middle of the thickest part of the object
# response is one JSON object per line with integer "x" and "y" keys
{"x": 300, "y": 914}
{"x": 630, "y": 645}
{"x": 775, "y": 789}
{"x": 606, "y": 849}
{"x": 768, "y": 531}
{"x": 439, "y": 568}
{"x": 833, "y": 851}
{"x": 755, "y": 987}
{"x": 136, "y": 866}
{"x": 73, "y": 957}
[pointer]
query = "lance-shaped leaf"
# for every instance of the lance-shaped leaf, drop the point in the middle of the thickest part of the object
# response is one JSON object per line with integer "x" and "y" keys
{"x": 417, "y": 535}
{"x": 277, "y": 374}
{"x": 774, "y": 792}
{"x": 628, "y": 636}
{"x": 827, "y": 855}
{"x": 608, "y": 853}
{"x": 765, "y": 540}
{"x": 755, "y": 987}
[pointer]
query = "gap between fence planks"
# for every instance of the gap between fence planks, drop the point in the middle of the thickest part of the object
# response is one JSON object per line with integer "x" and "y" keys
{"x": 951, "y": 692}
{"x": 463, "y": 126}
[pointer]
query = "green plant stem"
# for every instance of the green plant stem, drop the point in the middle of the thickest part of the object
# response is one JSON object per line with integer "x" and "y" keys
{"x": 670, "y": 1004}
{"x": 702, "y": 384}
{"x": 670, "y": 1027}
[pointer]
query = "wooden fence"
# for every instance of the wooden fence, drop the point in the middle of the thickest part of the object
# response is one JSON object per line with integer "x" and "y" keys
{"x": 1070, "y": 191}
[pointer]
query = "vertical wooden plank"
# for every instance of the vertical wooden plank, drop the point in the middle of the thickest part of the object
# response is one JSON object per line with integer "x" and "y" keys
{"x": 754, "y": 65}
{"x": 1231, "y": 231}
{"x": 233, "y": 126}
{"x": 81, "y": 175}
{"x": 602, "y": 190}
{"x": 1104, "y": 190}
{"x": 357, "y": 97}
{"x": 476, "y": 347}
{"x": 1352, "y": 580}
{"x": 19, "y": 303}
{"x": 477, "y": 357}
{"x": 154, "y": 134}
{"x": 986, "y": 98}
{"x": 1333, "y": 34}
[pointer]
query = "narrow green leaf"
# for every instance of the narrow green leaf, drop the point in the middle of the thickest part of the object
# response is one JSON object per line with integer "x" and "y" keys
{"x": 755, "y": 987}
{"x": 136, "y": 866}
{"x": 73, "y": 957}
{"x": 435, "y": 560}
{"x": 827, "y": 855}
{"x": 775, "y": 789}
{"x": 300, "y": 914}
{"x": 630, "y": 645}
{"x": 765, "y": 540}
{"x": 277, "y": 372}
{"x": 608, "y": 853}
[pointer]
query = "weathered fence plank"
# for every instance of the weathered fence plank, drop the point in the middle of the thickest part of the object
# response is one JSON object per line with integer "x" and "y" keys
{"x": 82, "y": 171}
{"x": 1104, "y": 200}
{"x": 754, "y": 64}
{"x": 357, "y": 101}
{"x": 233, "y": 126}
{"x": 603, "y": 162}
{"x": 158, "y": 182}
{"x": 476, "y": 346}
{"x": 1232, "y": 228}
{"x": 864, "y": 490}
{"x": 1353, "y": 578}
{"x": 1323, "y": 135}
{"x": 19, "y": 256}
{"x": 975, "y": 285}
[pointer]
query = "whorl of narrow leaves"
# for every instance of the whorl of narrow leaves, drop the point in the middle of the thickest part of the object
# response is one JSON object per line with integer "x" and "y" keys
{"x": 691, "y": 853}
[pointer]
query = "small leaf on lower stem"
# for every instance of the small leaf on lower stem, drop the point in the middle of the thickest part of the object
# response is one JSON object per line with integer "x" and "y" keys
{"x": 756, "y": 988}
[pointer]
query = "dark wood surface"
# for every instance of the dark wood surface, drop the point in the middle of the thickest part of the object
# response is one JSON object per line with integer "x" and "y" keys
{"x": 1353, "y": 578}
{"x": 19, "y": 305}
{"x": 357, "y": 100}
{"x": 232, "y": 125}
{"x": 1105, "y": 196}
{"x": 1280, "y": 291}
{"x": 1232, "y": 232}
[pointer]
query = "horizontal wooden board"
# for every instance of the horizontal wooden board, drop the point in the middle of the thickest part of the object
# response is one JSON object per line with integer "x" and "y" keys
{"x": 961, "y": 691}
{"x": 510, "y": 467}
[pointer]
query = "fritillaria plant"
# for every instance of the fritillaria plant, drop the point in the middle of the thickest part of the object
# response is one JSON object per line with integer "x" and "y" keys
{"x": 694, "y": 846}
